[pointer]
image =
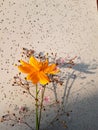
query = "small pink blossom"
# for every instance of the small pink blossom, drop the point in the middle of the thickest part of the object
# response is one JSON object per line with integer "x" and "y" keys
{"x": 47, "y": 99}
{"x": 62, "y": 61}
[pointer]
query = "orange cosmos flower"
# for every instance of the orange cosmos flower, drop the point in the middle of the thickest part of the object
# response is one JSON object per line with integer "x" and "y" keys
{"x": 37, "y": 70}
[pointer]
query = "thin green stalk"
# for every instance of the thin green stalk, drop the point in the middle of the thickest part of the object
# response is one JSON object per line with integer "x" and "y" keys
{"x": 41, "y": 105}
{"x": 37, "y": 125}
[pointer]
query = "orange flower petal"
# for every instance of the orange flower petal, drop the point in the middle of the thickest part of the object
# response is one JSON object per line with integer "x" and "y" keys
{"x": 52, "y": 69}
{"x": 43, "y": 79}
{"x": 55, "y": 71}
{"x": 33, "y": 62}
{"x": 24, "y": 69}
{"x": 33, "y": 77}
{"x": 45, "y": 64}
{"x": 24, "y": 63}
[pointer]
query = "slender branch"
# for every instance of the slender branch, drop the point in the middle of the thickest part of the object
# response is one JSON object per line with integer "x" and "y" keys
{"x": 28, "y": 125}
{"x": 31, "y": 94}
{"x": 37, "y": 125}
{"x": 41, "y": 105}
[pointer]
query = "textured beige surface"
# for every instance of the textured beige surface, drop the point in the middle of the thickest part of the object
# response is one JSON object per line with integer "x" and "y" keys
{"x": 68, "y": 27}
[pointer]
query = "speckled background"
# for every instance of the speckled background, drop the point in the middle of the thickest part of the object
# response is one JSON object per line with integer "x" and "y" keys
{"x": 65, "y": 27}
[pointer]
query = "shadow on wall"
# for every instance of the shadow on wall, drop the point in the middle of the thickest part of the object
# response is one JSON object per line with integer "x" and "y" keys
{"x": 81, "y": 67}
{"x": 84, "y": 116}
{"x": 85, "y": 68}
{"x": 81, "y": 113}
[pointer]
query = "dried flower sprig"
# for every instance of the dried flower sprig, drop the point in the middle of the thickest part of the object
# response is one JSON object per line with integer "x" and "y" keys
{"x": 23, "y": 112}
{"x": 41, "y": 70}
{"x": 37, "y": 71}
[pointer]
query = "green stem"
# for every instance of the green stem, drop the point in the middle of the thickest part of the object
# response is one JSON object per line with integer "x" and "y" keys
{"x": 37, "y": 125}
{"x": 41, "y": 105}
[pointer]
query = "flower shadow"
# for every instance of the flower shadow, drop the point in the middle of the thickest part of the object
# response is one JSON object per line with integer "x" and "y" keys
{"x": 67, "y": 87}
